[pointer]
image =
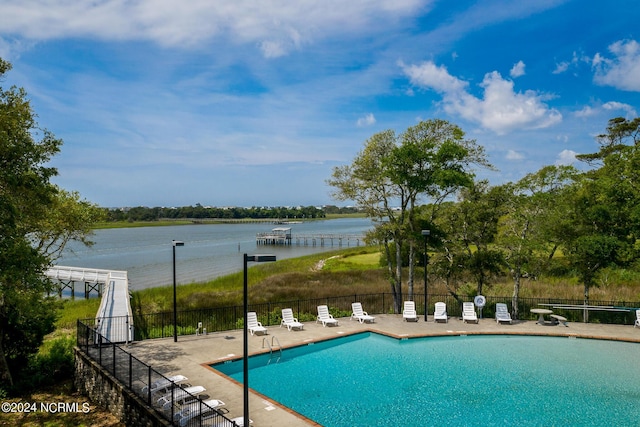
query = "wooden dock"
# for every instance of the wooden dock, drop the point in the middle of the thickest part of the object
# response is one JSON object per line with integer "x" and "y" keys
{"x": 284, "y": 237}
{"x": 66, "y": 278}
{"x": 277, "y": 236}
{"x": 114, "y": 319}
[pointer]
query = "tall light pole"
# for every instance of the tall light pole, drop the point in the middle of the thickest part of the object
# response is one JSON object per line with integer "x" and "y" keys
{"x": 175, "y": 304}
{"x": 245, "y": 357}
{"x": 426, "y": 234}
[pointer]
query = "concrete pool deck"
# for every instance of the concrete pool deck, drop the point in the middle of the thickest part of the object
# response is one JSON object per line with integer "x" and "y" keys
{"x": 192, "y": 355}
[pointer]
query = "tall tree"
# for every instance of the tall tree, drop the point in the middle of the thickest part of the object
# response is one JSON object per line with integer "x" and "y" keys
{"x": 430, "y": 160}
{"x": 36, "y": 220}
{"x": 533, "y": 209}
{"x": 470, "y": 226}
{"x": 605, "y": 214}
{"x": 365, "y": 182}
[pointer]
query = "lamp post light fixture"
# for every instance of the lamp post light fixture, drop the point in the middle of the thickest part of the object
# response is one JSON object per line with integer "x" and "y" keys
{"x": 175, "y": 308}
{"x": 426, "y": 234}
{"x": 245, "y": 356}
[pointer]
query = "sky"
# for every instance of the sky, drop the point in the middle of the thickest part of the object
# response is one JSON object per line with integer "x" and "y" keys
{"x": 253, "y": 103}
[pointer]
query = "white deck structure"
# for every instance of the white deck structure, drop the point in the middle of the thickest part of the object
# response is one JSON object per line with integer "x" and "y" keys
{"x": 277, "y": 236}
{"x": 283, "y": 236}
{"x": 114, "y": 319}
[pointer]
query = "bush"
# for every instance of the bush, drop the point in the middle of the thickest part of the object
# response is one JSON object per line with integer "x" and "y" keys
{"x": 54, "y": 363}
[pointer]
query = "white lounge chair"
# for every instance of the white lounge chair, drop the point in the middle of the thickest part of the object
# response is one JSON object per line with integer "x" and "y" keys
{"x": 180, "y": 395}
{"x": 325, "y": 317}
{"x": 637, "y": 323}
{"x": 440, "y": 312}
{"x": 469, "y": 312}
{"x": 409, "y": 311}
{"x": 360, "y": 314}
{"x": 194, "y": 409}
{"x": 289, "y": 321}
{"x": 253, "y": 325}
{"x": 165, "y": 383}
{"x": 502, "y": 313}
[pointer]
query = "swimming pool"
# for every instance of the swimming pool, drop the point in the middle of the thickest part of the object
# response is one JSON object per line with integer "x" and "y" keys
{"x": 374, "y": 380}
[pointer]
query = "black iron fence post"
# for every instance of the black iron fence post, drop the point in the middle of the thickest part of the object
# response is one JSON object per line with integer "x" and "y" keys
{"x": 149, "y": 387}
{"x": 173, "y": 394}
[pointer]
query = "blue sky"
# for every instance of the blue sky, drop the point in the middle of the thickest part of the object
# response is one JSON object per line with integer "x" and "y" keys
{"x": 246, "y": 103}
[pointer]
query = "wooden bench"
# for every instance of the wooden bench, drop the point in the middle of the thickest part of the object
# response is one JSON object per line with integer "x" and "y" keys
{"x": 559, "y": 319}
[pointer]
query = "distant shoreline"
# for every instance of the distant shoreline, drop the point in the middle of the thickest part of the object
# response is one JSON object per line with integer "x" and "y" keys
{"x": 196, "y": 221}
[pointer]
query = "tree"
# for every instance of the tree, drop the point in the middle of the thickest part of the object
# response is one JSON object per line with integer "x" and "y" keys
{"x": 604, "y": 216}
{"x": 390, "y": 175}
{"x": 596, "y": 233}
{"x": 470, "y": 227}
{"x": 533, "y": 210}
{"x": 448, "y": 262}
{"x": 366, "y": 183}
{"x": 621, "y": 133}
{"x": 36, "y": 221}
{"x": 69, "y": 218}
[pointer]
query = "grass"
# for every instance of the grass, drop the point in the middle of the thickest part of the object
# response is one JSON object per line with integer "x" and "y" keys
{"x": 349, "y": 215}
{"x": 72, "y": 310}
{"x": 342, "y": 272}
{"x": 134, "y": 224}
{"x": 62, "y": 392}
{"x": 366, "y": 261}
{"x": 297, "y": 276}
{"x": 164, "y": 223}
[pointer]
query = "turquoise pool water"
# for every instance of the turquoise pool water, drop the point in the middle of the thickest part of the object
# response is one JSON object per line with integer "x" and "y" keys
{"x": 373, "y": 380}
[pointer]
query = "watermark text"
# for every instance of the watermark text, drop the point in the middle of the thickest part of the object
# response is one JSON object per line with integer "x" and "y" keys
{"x": 47, "y": 407}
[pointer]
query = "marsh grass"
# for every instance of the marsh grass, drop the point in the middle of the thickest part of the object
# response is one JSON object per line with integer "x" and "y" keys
{"x": 293, "y": 277}
{"x": 72, "y": 310}
{"x": 136, "y": 224}
{"x": 345, "y": 272}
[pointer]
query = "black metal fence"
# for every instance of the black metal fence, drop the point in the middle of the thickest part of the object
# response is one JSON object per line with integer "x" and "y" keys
{"x": 185, "y": 406}
{"x": 177, "y": 402}
{"x": 190, "y": 322}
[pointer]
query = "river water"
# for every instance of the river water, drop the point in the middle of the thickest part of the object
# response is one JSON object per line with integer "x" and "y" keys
{"x": 210, "y": 250}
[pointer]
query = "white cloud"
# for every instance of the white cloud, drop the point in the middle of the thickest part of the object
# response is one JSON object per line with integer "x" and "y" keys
{"x": 588, "y": 111}
{"x": 367, "y": 120}
{"x": 437, "y": 78}
{"x": 621, "y": 72}
{"x": 585, "y": 112}
{"x": 613, "y": 105}
{"x": 561, "y": 67}
{"x": 276, "y": 26}
{"x": 271, "y": 49}
{"x": 566, "y": 157}
{"x": 10, "y": 48}
{"x": 501, "y": 109}
{"x": 517, "y": 70}
{"x": 514, "y": 155}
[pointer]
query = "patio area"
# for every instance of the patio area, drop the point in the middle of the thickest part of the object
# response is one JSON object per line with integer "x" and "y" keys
{"x": 192, "y": 355}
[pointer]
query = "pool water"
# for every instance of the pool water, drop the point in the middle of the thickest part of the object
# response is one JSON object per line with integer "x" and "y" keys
{"x": 374, "y": 380}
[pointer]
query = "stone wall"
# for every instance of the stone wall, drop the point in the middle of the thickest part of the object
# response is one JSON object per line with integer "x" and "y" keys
{"x": 106, "y": 391}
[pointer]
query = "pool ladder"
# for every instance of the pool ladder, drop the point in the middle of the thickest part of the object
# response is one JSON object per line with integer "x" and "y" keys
{"x": 274, "y": 340}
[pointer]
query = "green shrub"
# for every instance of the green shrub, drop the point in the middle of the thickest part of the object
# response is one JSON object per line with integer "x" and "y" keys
{"x": 52, "y": 364}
